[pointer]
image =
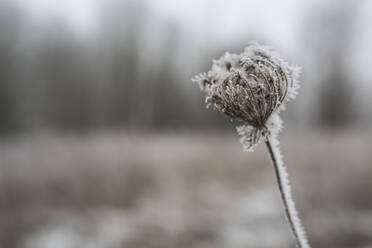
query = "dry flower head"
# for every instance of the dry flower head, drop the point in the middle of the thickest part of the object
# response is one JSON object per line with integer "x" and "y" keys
{"x": 251, "y": 88}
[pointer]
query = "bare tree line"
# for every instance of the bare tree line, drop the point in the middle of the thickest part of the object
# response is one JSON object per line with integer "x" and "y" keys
{"x": 51, "y": 78}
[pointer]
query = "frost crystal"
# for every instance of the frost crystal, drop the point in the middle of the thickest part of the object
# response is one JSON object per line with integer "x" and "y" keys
{"x": 251, "y": 88}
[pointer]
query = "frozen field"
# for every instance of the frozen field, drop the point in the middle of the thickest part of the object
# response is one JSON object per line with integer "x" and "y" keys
{"x": 197, "y": 190}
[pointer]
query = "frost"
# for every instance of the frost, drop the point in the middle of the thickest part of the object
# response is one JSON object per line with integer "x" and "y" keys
{"x": 286, "y": 189}
{"x": 251, "y": 136}
{"x": 251, "y": 88}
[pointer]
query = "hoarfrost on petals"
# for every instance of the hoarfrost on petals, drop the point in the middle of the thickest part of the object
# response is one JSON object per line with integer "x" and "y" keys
{"x": 252, "y": 88}
{"x": 252, "y": 136}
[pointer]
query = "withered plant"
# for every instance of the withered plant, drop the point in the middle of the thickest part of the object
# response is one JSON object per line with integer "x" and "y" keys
{"x": 252, "y": 88}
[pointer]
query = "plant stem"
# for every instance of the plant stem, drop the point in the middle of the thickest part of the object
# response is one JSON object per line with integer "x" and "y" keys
{"x": 285, "y": 193}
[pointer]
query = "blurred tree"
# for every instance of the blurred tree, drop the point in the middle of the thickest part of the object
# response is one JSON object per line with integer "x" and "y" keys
{"x": 10, "y": 22}
{"x": 329, "y": 39}
{"x": 120, "y": 24}
{"x": 67, "y": 102}
{"x": 169, "y": 105}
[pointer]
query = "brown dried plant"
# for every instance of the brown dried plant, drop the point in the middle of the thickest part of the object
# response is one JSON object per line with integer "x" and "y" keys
{"x": 252, "y": 88}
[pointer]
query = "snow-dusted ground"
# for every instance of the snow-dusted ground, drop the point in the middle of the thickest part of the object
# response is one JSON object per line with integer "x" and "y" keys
{"x": 186, "y": 190}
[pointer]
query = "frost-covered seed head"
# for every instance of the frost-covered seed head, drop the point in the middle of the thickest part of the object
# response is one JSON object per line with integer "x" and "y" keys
{"x": 251, "y": 88}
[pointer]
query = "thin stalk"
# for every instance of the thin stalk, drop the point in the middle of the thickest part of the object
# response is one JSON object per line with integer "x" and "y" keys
{"x": 285, "y": 193}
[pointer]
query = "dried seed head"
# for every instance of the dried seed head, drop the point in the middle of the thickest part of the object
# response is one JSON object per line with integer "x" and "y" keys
{"x": 251, "y": 88}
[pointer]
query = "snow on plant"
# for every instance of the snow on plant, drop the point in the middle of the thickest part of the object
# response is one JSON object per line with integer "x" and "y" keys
{"x": 252, "y": 88}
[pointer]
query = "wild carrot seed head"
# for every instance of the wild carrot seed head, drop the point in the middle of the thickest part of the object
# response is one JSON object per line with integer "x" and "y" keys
{"x": 251, "y": 88}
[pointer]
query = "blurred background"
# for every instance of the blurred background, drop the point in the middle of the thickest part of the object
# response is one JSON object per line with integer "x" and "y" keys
{"x": 105, "y": 142}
